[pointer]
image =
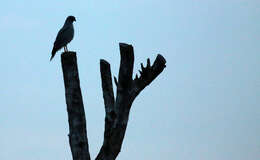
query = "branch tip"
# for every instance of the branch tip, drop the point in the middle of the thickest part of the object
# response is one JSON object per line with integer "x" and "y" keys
{"x": 69, "y": 52}
{"x": 125, "y": 45}
{"x": 161, "y": 58}
{"x": 148, "y": 63}
{"x": 104, "y": 62}
{"x": 136, "y": 77}
{"x": 140, "y": 72}
{"x": 142, "y": 66}
{"x": 115, "y": 80}
{"x": 68, "y": 55}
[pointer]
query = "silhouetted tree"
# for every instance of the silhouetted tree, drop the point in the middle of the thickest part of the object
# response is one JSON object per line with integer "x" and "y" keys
{"x": 117, "y": 109}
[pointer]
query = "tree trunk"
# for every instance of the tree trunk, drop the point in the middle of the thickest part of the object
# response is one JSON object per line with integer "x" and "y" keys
{"x": 76, "y": 114}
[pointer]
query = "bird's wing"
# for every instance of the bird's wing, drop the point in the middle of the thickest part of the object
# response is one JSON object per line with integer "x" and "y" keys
{"x": 63, "y": 37}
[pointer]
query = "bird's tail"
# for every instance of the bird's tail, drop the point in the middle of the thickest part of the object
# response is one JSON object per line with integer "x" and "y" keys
{"x": 54, "y": 50}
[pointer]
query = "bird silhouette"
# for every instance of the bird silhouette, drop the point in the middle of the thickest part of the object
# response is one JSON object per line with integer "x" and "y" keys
{"x": 65, "y": 35}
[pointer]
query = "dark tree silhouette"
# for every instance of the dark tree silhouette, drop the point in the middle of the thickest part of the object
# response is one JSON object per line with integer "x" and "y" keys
{"x": 76, "y": 114}
{"x": 116, "y": 109}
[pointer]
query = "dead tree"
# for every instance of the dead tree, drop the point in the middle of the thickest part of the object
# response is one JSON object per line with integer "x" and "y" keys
{"x": 116, "y": 109}
{"x": 76, "y": 114}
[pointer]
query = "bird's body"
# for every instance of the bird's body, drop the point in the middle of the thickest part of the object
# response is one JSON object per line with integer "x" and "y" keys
{"x": 65, "y": 35}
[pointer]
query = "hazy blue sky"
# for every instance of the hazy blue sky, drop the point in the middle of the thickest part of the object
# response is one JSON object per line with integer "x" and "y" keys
{"x": 204, "y": 106}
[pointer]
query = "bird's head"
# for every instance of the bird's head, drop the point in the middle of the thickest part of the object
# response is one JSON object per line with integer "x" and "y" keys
{"x": 70, "y": 19}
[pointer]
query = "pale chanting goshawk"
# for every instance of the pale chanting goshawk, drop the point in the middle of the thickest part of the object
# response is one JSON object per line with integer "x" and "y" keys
{"x": 65, "y": 35}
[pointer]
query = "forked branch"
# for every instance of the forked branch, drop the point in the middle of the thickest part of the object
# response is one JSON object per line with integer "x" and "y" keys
{"x": 117, "y": 113}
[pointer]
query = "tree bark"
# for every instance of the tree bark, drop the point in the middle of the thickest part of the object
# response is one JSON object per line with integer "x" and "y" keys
{"x": 117, "y": 112}
{"x": 77, "y": 123}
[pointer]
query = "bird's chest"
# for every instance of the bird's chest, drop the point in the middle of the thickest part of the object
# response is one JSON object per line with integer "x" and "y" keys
{"x": 71, "y": 32}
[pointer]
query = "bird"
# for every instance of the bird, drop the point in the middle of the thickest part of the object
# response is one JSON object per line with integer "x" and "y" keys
{"x": 65, "y": 35}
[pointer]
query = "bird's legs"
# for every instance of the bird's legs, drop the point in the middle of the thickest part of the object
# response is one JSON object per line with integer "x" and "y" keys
{"x": 65, "y": 49}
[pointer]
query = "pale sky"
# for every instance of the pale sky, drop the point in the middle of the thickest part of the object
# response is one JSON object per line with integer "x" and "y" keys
{"x": 204, "y": 106}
